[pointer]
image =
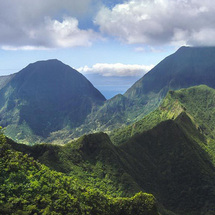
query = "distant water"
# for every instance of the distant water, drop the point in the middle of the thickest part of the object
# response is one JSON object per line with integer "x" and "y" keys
{"x": 110, "y": 86}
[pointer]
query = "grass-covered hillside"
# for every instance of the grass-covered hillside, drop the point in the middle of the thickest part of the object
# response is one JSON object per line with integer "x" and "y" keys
{"x": 172, "y": 163}
{"x": 169, "y": 109}
{"x": 179, "y": 132}
{"x": 198, "y": 102}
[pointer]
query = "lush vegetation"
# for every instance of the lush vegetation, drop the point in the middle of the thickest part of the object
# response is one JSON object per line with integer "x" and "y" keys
{"x": 169, "y": 109}
{"x": 198, "y": 102}
{"x": 28, "y": 187}
{"x": 173, "y": 165}
{"x": 92, "y": 159}
{"x": 190, "y": 139}
{"x": 170, "y": 160}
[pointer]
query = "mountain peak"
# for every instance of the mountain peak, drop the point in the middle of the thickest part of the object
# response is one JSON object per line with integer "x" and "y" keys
{"x": 47, "y": 96}
{"x": 46, "y": 62}
{"x": 188, "y": 66}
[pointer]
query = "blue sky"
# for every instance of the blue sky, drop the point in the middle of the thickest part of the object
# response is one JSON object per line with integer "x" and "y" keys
{"x": 113, "y": 42}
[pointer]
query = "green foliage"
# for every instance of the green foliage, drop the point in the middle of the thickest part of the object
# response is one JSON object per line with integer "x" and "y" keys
{"x": 92, "y": 159}
{"x": 168, "y": 153}
{"x": 179, "y": 132}
{"x": 199, "y": 103}
{"x": 27, "y": 187}
{"x": 169, "y": 109}
{"x": 171, "y": 163}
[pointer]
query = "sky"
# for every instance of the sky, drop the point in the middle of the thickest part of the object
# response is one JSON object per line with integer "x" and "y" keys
{"x": 112, "y": 42}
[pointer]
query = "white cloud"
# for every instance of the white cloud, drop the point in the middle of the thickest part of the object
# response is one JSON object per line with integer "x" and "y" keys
{"x": 67, "y": 33}
{"x": 26, "y": 48}
{"x": 53, "y": 34}
{"x": 117, "y": 69}
{"x": 159, "y": 22}
{"x": 45, "y": 24}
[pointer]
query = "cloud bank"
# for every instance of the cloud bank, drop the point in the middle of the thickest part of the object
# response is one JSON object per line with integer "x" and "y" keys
{"x": 49, "y": 24}
{"x": 45, "y": 24}
{"x": 118, "y": 69}
{"x": 160, "y": 22}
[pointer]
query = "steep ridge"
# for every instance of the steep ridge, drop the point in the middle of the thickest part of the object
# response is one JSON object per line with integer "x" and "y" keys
{"x": 44, "y": 97}
{"x": 188, "y": 66}
{"x": 5, "y": 79}
{"x": 181, "y": 175}
{"x": 170, "y": 108}
{"x": 199, "y": 104}
{"x": 93, "y": 159}
{"x": 28, "y": 187}
{"x": 178, "y": 138}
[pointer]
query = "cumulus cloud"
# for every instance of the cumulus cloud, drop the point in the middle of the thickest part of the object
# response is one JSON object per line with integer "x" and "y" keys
{"x": 45, "y": 24}
{"x": 159, "y": 22}
{"x": 117, "y": 69}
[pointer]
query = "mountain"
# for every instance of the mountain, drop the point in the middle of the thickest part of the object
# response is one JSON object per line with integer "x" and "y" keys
{"x": 178, "y": 140}
{"x": 92, "y": 159}
{"x": 43, "y": 104}
{"x": 44, "y": 97}
{"x": 95, "y": 163}
{"x": 188, "y": 66}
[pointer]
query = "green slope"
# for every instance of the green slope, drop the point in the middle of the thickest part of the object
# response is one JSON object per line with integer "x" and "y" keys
{"x": 171, "y": 160}
{"x": 169, "y": 109}
{"x": 178, "y": 133}
{"x": 28, "y": 187}
{"x": 198, "y": 102}
{"x": 171, "y": 163}
{"x": 92, "y": 159}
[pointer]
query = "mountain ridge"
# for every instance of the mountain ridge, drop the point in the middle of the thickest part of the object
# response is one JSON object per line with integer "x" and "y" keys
{"x": 188, "y": 66}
